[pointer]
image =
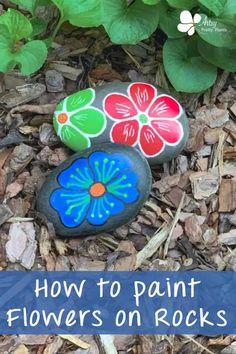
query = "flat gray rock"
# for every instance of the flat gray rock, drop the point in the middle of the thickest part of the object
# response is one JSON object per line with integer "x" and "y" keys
{"x": 137, "y": 114}
{"x": 96, "y": 190}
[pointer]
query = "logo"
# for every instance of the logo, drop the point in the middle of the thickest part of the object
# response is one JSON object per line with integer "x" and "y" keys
{"x": 188, "y": 22}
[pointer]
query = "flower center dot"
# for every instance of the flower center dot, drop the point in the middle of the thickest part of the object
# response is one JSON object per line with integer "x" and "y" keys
{"x": 62, "y": 118}
{"x": 143, "y": 118}
{"x": 97, "y": 189}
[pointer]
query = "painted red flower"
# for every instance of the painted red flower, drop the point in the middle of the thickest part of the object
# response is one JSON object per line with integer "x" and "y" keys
{"x": 144, "y": 118}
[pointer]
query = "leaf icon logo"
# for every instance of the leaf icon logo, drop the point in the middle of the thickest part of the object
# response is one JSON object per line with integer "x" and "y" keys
{"x": 188, "y": 22}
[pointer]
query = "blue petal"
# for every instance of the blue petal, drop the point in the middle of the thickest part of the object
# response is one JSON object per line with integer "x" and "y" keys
{"x": 71, "y": 206}
{"x": 124, "y": 187}
{"x": 104, "y": 207}
{"x": 108, "y": 166}
{"x": 77, "y": 176}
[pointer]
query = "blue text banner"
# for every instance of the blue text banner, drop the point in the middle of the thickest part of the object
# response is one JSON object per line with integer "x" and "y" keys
{"x": 117, "y": 303}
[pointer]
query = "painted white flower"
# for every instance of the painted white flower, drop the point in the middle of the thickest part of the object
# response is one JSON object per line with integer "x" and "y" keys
{"x": 188, "y": 22}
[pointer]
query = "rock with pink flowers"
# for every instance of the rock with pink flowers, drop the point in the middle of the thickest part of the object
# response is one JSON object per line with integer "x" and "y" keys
{"x": 137, "y": 114}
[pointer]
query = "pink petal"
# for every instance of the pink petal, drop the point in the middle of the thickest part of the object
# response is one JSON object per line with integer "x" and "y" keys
{"x": 142, "y": 95}
{"x": 125, "y": 132}
{"x": 164, "y": 107}
{"x": 118, "y": 106}
{"x": 170, "y": 130}
{"x": 150, "y": 143}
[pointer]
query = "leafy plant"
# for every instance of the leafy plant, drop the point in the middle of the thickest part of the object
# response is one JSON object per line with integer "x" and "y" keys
{"x": 186, "y": 68}
{"x": 83, "y": 13}
{"x": 15, "y": 29}
{"x": 129, "y": 24}
{"x": 191, "y": 63}
{"x": 216, "y": 6}
{"x": 191, "y": 56}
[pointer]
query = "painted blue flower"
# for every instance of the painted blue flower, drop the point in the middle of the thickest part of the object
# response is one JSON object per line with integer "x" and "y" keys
{"x": 94, "y": 189}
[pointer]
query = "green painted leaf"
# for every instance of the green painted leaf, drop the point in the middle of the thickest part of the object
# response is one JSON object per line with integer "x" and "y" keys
{"x": 79, "y": 100}
{"x": 151, "y": 2}
{"x": 217, "y": 33}
{"x": 31, "y": 5}
{"x": 222, "y": 57}
{"x": 74, "y": 139}
{"x": 129, "y": 24}
{"x": 216, "y": 6}
{"x": 83, "y": 13}
{"x": 39, "y": 26}
{"x": 183, "y": 4}
{"x": 18, "y": 25}
{"x": 228, "y": 15}
{"x": 90, "y": 121}
{"x": 169, "y": 21}
{"x": 185, "y": 68}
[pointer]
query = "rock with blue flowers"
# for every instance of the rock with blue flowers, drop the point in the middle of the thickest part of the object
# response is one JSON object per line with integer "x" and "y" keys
{"x": 96, "y": 190}
{"x": 137, "y": 114}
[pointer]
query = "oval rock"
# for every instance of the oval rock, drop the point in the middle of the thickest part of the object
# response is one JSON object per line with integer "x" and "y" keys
{"x": 96, "y": 190}
{"x": 137, "y": 114}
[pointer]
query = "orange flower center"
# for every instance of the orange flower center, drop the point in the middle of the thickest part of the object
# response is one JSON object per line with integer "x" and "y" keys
{"x": 97, "y": 189}
{"x": 62, "y": 118}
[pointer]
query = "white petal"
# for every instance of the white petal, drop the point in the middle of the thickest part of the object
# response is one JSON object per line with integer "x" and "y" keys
{"x": 186, "y": 17}
{"x": 191, "y": 31}
{"x": 184, "y": 28}
{"x": 197, "y": 18}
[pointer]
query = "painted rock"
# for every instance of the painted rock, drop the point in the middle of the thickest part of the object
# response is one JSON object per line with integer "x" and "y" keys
{"x": 136, "y": 114}
{"x": 96, "y": 190}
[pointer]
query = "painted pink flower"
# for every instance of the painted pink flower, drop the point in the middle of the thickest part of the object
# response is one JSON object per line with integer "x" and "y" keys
{"x": 143, "y": 118}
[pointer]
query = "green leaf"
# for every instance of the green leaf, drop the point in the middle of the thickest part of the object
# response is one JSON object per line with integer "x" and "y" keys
{"x": 39, "y": 26}
{"x": 129, "y": 24}
{"x": 182, "y": 4}
{"x": 185, "y": 68}
{"x": 216, "y": 32}
{"x": 31, "y": 57}
{"x": 83, "y": 13}
{"x": 18, "y": 25}
{"x": 6, "y": 64}
{"x": 91, "y": 18}
{"x": 31, "y": 5}
{"x": 222, "y": 57}
{"x": 216, "y": 6}
{"x": 151, "y": 2}
{"x": 169, "y": 21}
{"x": 228, "y": 14}
{"x": 43, "y": 2}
